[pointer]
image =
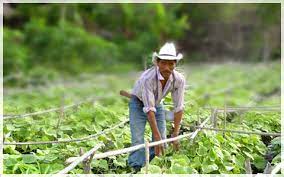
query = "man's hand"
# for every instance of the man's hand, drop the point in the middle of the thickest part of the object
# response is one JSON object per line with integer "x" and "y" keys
{"x": 177, "y": 120}
{"x": 159, "y": 149}
{"x": 175, "y": 143}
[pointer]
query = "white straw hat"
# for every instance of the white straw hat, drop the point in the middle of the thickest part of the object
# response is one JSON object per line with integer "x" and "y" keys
{"x": 167, "y": 52}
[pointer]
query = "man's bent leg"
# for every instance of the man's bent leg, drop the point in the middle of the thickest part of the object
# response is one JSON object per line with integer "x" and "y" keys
{"x": 161, "y": 123}
{"x": 138, "y": 120}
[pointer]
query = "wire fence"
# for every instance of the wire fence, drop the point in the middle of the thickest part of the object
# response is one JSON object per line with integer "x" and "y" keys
{"x": 240, "y": 132}
{"x": 191, "y": 136}
{"x": 70, "y": 140}
{"x": 91, "y": 153}
{"x": 64, "y": 108}
{"x": 76, "y": 160}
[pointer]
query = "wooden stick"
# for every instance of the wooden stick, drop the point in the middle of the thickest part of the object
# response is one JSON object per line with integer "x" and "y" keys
{"x": 248, "y": 166}
{"x": 213, "y": 116}
{"x": 139, "y": 146}
{"x": 278, "y": 168}
{"x": 225, "y": 113}
{"x": 125, "y": 93}
{"x": 198, "y": 129}
{"x": 61, "y": 116}
{"x": 147, "y": 155}
{"x": 240, "y": 132}
{"x": 81, "y": 152}
{"x": 79, "y": 159}
{"x": 132, "y": 148}
{"x": 87, "y": 169}
{"x": 245, "y": 108}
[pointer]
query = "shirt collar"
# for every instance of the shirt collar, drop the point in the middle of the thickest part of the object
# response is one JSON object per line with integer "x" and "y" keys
{"x": 160, "y": 77}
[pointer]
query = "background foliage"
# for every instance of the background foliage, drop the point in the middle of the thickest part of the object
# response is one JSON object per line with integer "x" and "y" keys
{"x": 95, "y": 37}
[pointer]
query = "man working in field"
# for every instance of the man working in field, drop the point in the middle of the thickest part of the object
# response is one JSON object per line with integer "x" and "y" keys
{"x": 153, "y": 85}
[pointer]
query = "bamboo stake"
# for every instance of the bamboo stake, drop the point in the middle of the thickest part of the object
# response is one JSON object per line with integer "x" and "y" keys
{"x": 248, "y": 108}
{"x": 248, "y": 166}
{"x": 139, "y": 146}
{"x": 225, "y": 114}
{"x": 198, "y": 129}
{"x": 278, "y": 168}
{"x": 147, "y": 154}
{"x": 61, "y": 115}
{"x": 241, "y": 132}
{"x": 133, "y": 148}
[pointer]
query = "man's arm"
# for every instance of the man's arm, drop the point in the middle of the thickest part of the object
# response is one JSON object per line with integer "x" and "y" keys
{"x": 148, "y": 99}
{"x": 159, "y": 149}
{"x": 177, "y": 120}
{"x": 153, "y": 125}
{"x": 178, "y": 99}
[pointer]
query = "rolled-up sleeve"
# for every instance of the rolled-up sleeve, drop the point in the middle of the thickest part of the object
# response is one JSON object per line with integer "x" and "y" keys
{"x": 148, "y": 96}
{"x": 178, "y": 96}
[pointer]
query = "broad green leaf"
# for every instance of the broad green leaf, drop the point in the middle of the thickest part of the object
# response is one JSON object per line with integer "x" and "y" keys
{"x": 180, "y": 159}
{"x": 120, "y": 161}
{"x": 276, "y": 159}
{"x": 219, "y": 153}
{"x": 202, "y": 150}
{"x": 209, "y": 168}
{"x": 228, "y": 166}
{"x": 65, "y": 127}
{"x": 10, "y": 161}
{"x": 29, "y": 158}
{"x": 240, "y": 160}
{"x": 180, "y": 169}
{"x": 259, "y": 162}
{"x": 45, "y": 168}
{"x": 248, "y": 155}
{"x": 50, "y": 157}
{"x": 56, "y": 167}
{"x": 212, "y": 155}
{"x": 196, "y": 162}
{"x": 101, "y": 164}
{"x": 152, "y": 169}
{"x": 50, "y": 132}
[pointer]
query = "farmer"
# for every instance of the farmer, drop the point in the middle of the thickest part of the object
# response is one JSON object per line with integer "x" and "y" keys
{"x": 152, "y": 86}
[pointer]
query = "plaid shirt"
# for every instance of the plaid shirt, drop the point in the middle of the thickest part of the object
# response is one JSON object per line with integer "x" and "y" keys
{"x": 148, "y": 89}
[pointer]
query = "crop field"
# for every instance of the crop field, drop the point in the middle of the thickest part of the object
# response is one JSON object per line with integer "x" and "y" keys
{"x": 234, "y": 108}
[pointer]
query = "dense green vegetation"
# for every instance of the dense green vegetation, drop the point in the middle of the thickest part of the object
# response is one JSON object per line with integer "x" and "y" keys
{"x": 95, "y": 37}
{"x": 210, "y": 152}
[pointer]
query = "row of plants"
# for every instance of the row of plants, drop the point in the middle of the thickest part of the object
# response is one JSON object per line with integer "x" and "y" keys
{"x": 210, "y": 152}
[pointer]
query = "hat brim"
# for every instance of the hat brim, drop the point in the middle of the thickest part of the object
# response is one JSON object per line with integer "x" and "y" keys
{"x": 163, "y": 57}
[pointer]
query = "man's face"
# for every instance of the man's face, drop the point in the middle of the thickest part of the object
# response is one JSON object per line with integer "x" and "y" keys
{"x": 166, "y": 67}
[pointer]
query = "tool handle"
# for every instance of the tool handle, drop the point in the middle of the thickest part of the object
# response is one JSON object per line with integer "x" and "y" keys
{"x": 125, "y": 93}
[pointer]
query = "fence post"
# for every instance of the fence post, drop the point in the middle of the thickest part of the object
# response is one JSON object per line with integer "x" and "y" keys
{"x": 225, "y": 113}
{"x": 248, "y": 166}
{"x": 61, "y": 115}
{"x": 147, "y": 156}
{"x": 213, "y": 117}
